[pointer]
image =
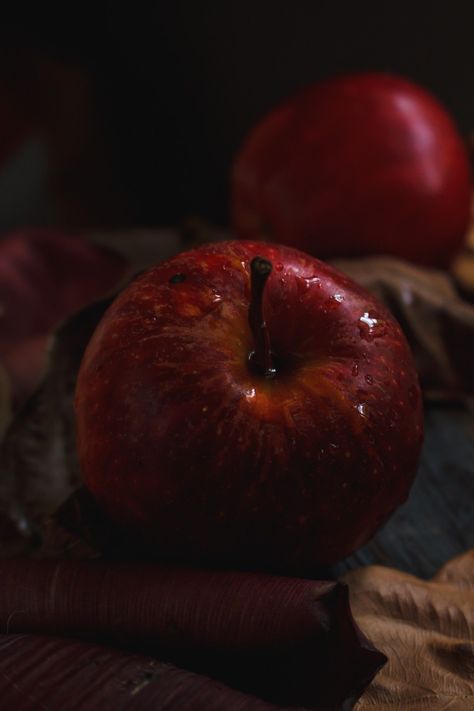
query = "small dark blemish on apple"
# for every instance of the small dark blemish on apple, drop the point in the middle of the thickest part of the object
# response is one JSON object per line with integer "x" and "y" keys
{"x": 177, "y": 278}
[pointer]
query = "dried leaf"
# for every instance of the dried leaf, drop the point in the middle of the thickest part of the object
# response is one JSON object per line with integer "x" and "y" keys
{"x": 462, "y": 267}
{"x": 280, "y": 639}
{"x": 42, "y": 673}
{"x": 38, "y": 461}
{"x": 426, "y": 629}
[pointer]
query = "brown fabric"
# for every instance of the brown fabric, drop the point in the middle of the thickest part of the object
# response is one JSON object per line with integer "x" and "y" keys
{"x": 426, "y": 629}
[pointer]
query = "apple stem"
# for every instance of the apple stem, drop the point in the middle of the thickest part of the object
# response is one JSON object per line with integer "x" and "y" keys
{"x": 261, "y": 357}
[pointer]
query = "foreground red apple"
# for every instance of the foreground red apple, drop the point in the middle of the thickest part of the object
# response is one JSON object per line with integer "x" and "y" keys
{"x": 358, "y": 164}
{"x": 219, "y": 426}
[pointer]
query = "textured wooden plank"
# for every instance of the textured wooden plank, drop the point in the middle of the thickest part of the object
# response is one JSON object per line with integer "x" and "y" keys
{"x": 437, "y": 521}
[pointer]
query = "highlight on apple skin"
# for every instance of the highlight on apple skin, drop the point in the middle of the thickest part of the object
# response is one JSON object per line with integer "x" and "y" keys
{"x": 210, "y": 441}
{"x": 355, "y": 165}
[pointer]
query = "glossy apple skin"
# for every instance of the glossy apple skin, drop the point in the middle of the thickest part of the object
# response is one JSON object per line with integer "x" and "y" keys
{"x": 358, "y": 164}
{"x": 204, "y": 459}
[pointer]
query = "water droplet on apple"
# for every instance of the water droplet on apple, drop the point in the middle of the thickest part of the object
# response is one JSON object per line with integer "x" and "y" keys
{"x": 355, "y": 369}
{"x": 302, "y": 287}
{"x": 334, "y": 302}
{"x": 305, "y": 284}
{"x": 369, "y": 379}
{"x": 279, "y": 267}
{"x": 370, "y": 327}
{"x": 312, "y": 281}
{"x": 360, "y": 407}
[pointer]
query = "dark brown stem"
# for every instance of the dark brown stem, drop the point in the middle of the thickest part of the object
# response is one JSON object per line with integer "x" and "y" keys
{"x": 261, "y": 358}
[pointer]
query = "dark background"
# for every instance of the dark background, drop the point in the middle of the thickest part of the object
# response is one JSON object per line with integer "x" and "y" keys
{"x": 172, "y": 88}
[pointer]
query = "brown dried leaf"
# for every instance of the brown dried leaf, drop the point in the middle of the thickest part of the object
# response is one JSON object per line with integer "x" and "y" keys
{"x": 462, "y": 267}
{"x": 463, "y": 273}
{"x": 38, "y": 462}
{"x": 426, "y": 629}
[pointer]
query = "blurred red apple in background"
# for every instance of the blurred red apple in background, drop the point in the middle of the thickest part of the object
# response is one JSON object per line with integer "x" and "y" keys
{"x": 270, "y": 421}
{"x": 358, "y": 164}
{"x": 45, "y": 276}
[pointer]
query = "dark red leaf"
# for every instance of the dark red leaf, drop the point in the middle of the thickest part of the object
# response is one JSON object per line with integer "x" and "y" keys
{"x": 39, "y": 673}
{"x": 286, "y": 640}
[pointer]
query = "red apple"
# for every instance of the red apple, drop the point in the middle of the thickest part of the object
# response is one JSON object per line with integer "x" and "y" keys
{"x": 358, "y": 164}
{"x": 214, "y": 438}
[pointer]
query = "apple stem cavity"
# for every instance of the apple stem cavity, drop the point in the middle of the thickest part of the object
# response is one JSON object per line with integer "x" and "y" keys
{"x": 261, "y": 357}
